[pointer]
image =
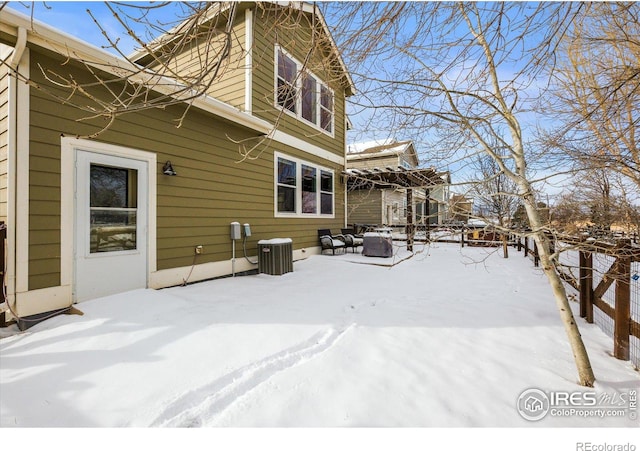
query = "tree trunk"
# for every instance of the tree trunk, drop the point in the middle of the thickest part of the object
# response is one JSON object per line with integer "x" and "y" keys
{"x": 585, "y": 372}
{"x": 505, "y": 246}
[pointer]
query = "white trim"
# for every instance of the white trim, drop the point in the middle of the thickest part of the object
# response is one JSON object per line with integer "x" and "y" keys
{"x": 43, "y": 300}
{"x": 176, "y": 276}
{"x": 12, "y": 146}
{"x": 248, "y": 61}
{"x": 64, "y": 44}
{"x": 298, "y": 86}
{"x": 21, "y": 179}
{"x": 69, "y": 146}
{"x": 300, "y": 144}
{"x": 298, "y": 214}
{"x": 69, "y": 46}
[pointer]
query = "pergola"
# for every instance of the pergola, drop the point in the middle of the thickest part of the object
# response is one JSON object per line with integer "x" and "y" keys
{"x": 396, "y": 177}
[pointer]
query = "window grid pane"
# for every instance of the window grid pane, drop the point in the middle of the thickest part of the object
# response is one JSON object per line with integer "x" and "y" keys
{"x": 309, "y": 189}
{"x": 326, "y": 194}
{"x": 286, "y": 82}
{"x": 326, "y": 108}
{"x": 309, "y": 99}
{"x": 286, "y": 172}
{"x": 286, "y": 186}
{"x": 286, "y": 199}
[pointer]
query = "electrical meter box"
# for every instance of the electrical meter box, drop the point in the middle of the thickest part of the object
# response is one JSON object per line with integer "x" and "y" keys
{"x": 235, "y": 231}
{"x": 247, "y": 230}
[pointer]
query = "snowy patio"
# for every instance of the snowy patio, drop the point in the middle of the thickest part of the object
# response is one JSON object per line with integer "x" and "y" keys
{"x": 448, "y": 337}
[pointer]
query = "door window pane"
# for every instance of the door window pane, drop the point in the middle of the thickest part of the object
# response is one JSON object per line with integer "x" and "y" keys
{"x": 113, "y": 208}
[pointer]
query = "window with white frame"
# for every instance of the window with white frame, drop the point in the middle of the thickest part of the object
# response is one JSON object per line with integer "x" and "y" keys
{"x": 303, "y": 188}
{"x": 302, "y": 94}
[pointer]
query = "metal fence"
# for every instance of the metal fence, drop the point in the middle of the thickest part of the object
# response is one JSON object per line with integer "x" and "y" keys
{"x": 606, "y": 278}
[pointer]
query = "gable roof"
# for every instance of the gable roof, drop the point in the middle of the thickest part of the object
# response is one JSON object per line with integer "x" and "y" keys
{"x": 313, "y": 9}
{"x": 218, "y": 8}
{"x": 380, "y": 149}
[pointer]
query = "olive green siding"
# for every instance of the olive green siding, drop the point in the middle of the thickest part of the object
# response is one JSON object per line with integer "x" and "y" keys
{"x": 296, "y": 40}
{"x": 370, "y": 163}
{"x": 229, "y": 85}
{"x": 211, "y": 190}
{"x": 365, "y": 207}
{"x": 291, "y": 29}
{"x": 4, "y": 136}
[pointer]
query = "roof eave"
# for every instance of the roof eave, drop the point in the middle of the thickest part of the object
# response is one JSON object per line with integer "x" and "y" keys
{"x": 50, "y": 38}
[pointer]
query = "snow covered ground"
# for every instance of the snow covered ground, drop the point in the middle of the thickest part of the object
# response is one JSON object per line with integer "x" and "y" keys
{"x": 449, "y": 337}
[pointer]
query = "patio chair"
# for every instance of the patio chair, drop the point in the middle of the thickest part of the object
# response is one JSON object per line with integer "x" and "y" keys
{"x": 331, "y": 242}
{"x": 351, "y": 239}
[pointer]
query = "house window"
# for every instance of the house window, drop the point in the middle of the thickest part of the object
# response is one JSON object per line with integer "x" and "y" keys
{"x": 303, "y": 189}
{"x": 326, "y": 109}
{"x": 309, "y": 99}
{"x": 326, "y": 193}
{"x": 286, "y": 186}
{"x": 286, "y": 89}
{"x": 302, "y": 94}
{"x": 309, "y": 189}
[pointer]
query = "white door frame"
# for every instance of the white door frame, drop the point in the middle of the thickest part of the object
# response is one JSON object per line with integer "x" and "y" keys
{"x": 69, "y": 148}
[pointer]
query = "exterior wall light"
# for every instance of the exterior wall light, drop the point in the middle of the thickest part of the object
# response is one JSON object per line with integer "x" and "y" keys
{"x": 167, "y": 169}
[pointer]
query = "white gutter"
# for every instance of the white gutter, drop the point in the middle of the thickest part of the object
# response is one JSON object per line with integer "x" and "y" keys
{"x": 64, "y": 44}
{"x": 67, "y": 45}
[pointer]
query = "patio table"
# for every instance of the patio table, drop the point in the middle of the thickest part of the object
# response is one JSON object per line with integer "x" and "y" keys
{"x": 377, "y": 244}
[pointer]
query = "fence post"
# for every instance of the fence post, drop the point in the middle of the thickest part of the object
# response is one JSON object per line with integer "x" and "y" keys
{"x": 622, "y": 320}
{"x": 519, "y": 243}
{"x": 536, "y": 258}
{"x": 526, "y": 245}
{"x": 586, "y": 286}
{"x": 462, "y": 237}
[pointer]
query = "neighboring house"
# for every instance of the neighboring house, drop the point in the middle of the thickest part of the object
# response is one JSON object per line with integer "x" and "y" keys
{"x": 460, "y": 208}
{"x": 92, "y": 217}
{"x": 388, "y": 205}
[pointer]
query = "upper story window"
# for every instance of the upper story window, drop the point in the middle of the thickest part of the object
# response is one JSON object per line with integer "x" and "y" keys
{"x": 302, "y": 94}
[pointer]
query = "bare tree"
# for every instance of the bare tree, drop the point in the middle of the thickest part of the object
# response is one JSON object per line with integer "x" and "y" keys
{"x": 149, "y": 77}
{"x": 169, "y": 54}
{"x": 596, "y": 90}
{"x": 463, "y": 72}
{"x": 495, "y": 194}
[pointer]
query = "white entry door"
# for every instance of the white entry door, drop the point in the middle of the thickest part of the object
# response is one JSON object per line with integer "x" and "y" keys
{"x": 110, "y": 226}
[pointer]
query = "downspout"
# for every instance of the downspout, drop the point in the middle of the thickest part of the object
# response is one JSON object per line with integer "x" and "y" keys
{"x": 12, "y": 152}
{"x": 18, "y": 50}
